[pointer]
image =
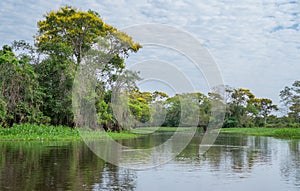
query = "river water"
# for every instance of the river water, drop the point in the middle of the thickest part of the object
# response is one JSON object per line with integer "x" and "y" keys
{"x": 234, "y": 163}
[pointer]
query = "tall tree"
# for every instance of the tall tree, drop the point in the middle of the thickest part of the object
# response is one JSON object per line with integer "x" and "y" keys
{"x": 67, "y": 37}
{"x": 79, "y": 30}
{"x": 72, "y": 28}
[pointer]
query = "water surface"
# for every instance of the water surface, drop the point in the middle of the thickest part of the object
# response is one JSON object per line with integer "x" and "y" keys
{"x": 235, "y": 162}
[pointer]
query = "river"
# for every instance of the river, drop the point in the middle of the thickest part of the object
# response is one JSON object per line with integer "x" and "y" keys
{"x": 234, "y": 162}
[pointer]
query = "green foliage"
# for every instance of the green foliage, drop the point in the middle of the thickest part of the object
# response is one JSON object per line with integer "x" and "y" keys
{"x": 36, "y": 85}
{"x": 139, "y": 105}
{"x": 190, "y": 103}
{"x": 20, "y": 96}
{"x": 285, "y": 133}
{"x": 70, "y": 27}
{"x": 290, "y": 97}
{"x": 29, "y": 132}
{"x": 173, "y": 112}
{"x": 104, "y": 113}
{"x": 261, "y": 108}
{"x": 80, "y": 30}
{"x": 245, "y": 110}
{"x": 148, "y": 130}
{"x": 56, "y": 75}
{"x": 140, "y": 110}
{"x": 67, "y": 35}
{"x": 3, "y": 113}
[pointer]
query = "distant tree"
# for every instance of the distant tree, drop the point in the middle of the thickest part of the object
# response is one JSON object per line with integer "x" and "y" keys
{"x": 196, "y": 108}
{"x": 290, "y": 97}
{"x": 172, "y": 106}
{"x": 262, "y": 107}
{"x": 142, "y": 108}
{"x": 236, "y": 114}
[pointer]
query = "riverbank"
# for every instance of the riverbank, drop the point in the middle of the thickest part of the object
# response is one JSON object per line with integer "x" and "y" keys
{"x": 29, "y": 132}
{"x": 149, "y": 130}
{"x": 283, "y": 133}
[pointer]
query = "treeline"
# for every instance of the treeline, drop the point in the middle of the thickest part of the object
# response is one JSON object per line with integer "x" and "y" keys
{"x": 36, "y": 82}
{"x": 243, "y": 108}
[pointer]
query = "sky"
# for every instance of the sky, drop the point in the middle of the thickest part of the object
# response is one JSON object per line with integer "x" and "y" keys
{"x": 254, "y": 43}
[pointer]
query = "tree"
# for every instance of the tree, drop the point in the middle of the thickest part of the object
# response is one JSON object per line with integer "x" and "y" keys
{"x": 104, "y": 114}
{"x": 72, "y": 28}
{"x": 172, "y": 106}
{"x": 290, "y": 97}
{"x": 20, "y": 94}
{"x": 56, "y": 75}
{"x": 66, "y": 37}
{"x": 236, "y": 114}
{"x": 196, "y": 108}
{"x": 79, "y": 30}
{"x": 262, "y": 107}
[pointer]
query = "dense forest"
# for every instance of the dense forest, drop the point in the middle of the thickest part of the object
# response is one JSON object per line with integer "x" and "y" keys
{"x": 36, "y": 81}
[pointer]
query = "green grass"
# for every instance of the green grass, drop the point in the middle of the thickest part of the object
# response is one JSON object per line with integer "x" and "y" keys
{"x": 283, "y": 133}
{"x": 147, "y": 130}
{"x": 29, "y": 132}
{"x": 123, "y": 135}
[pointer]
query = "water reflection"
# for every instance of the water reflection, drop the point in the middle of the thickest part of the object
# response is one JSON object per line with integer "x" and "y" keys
{"x": 290, "y": 163}
{"x": 239, "y": 160}
{"x": 58, "y": 166}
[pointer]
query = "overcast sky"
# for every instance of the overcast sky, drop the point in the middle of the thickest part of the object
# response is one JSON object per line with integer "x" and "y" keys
{"x": 255, "y": 43}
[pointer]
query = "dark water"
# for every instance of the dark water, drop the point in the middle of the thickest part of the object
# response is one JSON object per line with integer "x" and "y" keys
{"x": 234, "y": 163}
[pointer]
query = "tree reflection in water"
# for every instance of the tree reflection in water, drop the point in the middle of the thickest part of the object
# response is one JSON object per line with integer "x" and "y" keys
{"x": 72, "y": 166}
{"x": 58, "y": 166}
